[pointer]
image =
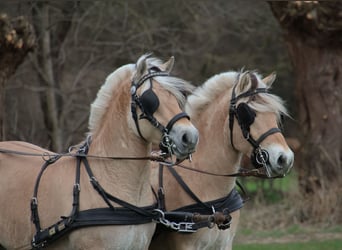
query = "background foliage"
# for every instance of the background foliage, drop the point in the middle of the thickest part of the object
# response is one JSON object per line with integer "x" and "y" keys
{"x": 205, "y": 37}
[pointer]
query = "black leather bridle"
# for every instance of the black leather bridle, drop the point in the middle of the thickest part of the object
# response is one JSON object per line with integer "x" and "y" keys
{"x": 148, "y": 103}
{"x": 245, "y": 117}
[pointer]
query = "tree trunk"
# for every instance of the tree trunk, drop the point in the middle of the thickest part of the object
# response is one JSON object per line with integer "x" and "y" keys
{"x": 16, "y": 40}
{"x": 318, "y": 87}
{"x": 51, "y": 37}
{"x": 313, "y": 33}
{"x": 49, "y": 96}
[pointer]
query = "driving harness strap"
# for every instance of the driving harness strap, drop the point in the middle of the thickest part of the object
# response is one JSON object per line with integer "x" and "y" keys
{"x": 226, "y": 205}
{"x": 232, "y": 202}
{"x": 229, "y": 203}
{"x": 128, "y": 214}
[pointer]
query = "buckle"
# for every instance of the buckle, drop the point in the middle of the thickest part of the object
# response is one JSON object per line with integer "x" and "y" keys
{"x": 186, "y": 227}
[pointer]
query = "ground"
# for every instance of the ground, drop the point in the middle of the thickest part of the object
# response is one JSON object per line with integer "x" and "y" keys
{"x": 279, "y": 223}
{"x": 312, "y": 235}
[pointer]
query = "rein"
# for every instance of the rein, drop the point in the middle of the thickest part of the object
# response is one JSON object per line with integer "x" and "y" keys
{"x": 47, "y": 156}
{"x": 243, "y": 172}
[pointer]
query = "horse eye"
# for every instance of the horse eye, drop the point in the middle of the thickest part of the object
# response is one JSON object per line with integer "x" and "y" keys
{"x": 149, "y": 101}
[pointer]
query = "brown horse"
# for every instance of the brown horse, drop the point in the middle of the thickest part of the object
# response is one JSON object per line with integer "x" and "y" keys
{"x": 129, "y": 114}
{"x": 235, "y": 115}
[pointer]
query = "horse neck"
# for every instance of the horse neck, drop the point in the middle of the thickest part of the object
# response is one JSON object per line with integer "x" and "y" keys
{"x": 123, "y": 177}
{"x": 214, "y": 153}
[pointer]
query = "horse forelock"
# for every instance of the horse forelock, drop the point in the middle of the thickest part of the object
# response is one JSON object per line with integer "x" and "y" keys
{"x": 176, "y": 86}
{"x": 99, "y": 106}
{"x": 265, "y": 102}
{"x": 209, "y": 91}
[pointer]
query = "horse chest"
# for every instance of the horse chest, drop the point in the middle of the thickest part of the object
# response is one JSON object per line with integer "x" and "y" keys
{"x": 214, "y": 239}
{"x": 109, "y": 237}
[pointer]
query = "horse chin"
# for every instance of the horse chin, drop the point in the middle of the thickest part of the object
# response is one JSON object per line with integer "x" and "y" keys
{"x": 182, "y": 155}
{"x": 276, "y": 172}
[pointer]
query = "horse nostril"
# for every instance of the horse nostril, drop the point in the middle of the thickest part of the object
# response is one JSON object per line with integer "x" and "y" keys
{"x": 185, "y": 138}
{"x": 281, "y": 160}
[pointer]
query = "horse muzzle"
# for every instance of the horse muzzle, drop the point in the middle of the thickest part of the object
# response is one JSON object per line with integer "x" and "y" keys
{"x": 183, "y": 140}
{"x": 276, "y": 161}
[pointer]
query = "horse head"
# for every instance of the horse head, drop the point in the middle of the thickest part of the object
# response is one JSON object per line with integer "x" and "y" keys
{"x": 257, "y": 114}
{"x": 157, "y": 103}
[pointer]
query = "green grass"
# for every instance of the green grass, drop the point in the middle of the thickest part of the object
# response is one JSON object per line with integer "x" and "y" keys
{"x": 293, "y": 236}
{"x": 314, "y": 245}
{"x": 274, "y": 234}
{"x": 285, "y": 184}
{"x": 271, "y": 190}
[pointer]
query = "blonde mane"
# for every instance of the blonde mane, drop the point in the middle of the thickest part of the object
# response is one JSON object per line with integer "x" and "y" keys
{"x": 209, "y": 91}
{"x": 176, "y": 86}
{"x": 99, "y": 106}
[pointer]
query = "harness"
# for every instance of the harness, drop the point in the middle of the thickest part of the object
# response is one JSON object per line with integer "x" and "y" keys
{"x": 128, "y": 214}
{"x": 218, "y": 210}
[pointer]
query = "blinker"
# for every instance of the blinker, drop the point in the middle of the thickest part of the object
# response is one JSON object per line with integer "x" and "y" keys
{"x": 245, "y": 115}
{"x": 149, "y": 101}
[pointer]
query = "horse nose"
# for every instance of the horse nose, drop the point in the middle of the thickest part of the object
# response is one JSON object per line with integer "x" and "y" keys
{"x": 184, "y": 139}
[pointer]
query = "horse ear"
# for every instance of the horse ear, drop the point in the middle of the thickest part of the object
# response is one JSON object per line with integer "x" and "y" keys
{"x": 268, "y": 80}
{"x": 245, "y": 82}
{"x": 141, "y": 66}
{"x": 168, "y": 66}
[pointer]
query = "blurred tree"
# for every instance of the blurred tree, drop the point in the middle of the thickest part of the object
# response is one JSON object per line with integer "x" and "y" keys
{"x": 313, "y": 32}
{"x": 16, "y": 40}
{"x": 81, "y": 42}
{"x": 52, "y": 21}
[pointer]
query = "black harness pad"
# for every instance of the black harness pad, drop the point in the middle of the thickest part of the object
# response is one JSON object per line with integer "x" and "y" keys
{"x": 245, "y": 115}
{"x": 149, "y": 101}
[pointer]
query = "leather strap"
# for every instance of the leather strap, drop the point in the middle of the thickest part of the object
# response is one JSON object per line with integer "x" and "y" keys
{"x": 186, "y": 188}
{"x": 175, "y": 119}
{"x": 134, "y": 214}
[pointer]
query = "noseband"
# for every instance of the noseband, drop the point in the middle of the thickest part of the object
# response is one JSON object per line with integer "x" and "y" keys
{"x": 148, "y": 103}
{"x": 245, "y": 117}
